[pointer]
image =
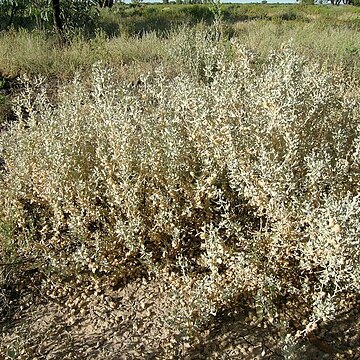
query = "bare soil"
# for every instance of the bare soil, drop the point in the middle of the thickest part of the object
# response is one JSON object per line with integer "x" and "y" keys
{"x": 129, "y": 324}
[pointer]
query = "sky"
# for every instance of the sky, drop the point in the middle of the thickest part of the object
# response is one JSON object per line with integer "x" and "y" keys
{"x": 238, "y": 1}
{"x": 259, "y": 1}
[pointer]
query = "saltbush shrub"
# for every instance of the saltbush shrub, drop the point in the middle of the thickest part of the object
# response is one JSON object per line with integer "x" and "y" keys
{"x": 240, "y": 174}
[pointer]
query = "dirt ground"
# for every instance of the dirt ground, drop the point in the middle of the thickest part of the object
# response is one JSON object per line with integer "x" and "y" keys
{"x": 128, "y": 324}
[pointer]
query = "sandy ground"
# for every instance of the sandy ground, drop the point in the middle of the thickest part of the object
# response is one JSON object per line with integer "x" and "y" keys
{"x": 128, "y": 324}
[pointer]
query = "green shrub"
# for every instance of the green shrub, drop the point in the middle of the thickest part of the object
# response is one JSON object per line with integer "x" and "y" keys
{"x": 198, "y": 13}
{"x": 307, "y": 2}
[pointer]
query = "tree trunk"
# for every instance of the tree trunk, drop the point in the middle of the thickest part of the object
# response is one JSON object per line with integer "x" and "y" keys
{"x": 106, "y": 3}
{"x": 14, "y": 9}
{"x": 57, "y": 19}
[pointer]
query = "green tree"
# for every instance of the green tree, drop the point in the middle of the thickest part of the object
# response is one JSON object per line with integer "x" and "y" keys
{"x": 106, "y": 3}
{"x": 60, "y": 15}
{"x": 9, "y": 11}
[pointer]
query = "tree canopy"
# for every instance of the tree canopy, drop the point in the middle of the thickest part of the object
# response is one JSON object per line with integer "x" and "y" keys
{"x": 59, "y": 14}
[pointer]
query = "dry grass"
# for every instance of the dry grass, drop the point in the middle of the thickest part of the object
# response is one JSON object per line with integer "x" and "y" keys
{"x": 34, "y": 53}
{"x": 338, "y": 46}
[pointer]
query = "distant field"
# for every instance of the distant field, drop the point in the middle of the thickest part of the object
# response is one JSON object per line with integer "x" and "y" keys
{"x": 329, "y": 33}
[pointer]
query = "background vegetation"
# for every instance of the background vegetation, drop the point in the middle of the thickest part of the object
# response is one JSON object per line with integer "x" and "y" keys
{"x": 214, "y": 149}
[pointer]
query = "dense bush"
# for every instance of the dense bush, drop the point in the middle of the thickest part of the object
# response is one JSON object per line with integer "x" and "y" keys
{"x": 240, "y": 174}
